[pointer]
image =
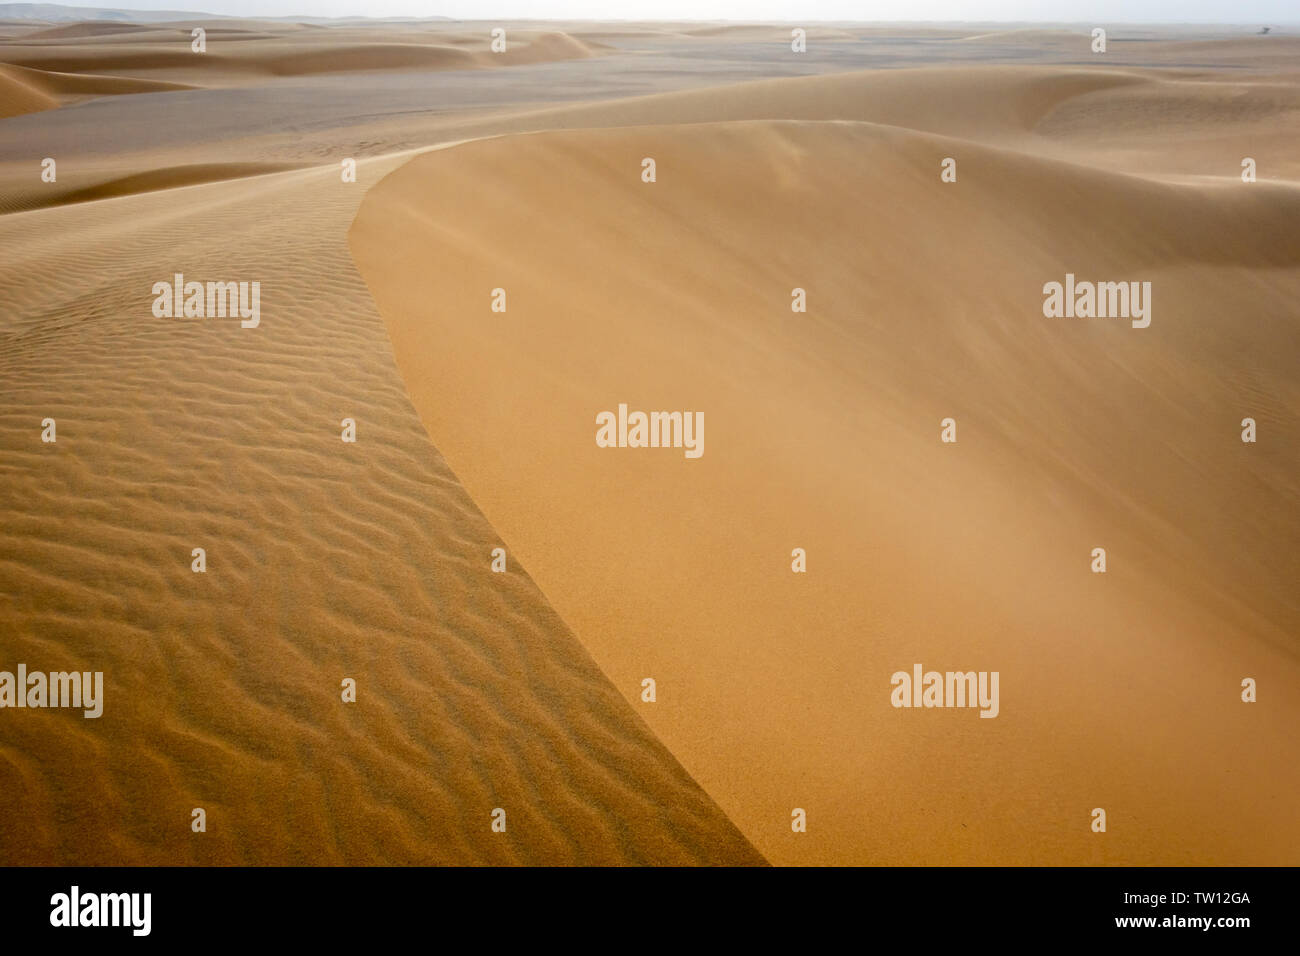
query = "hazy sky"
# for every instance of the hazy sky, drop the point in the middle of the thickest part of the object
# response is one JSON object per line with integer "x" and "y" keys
{"x": 1071, "y": 11}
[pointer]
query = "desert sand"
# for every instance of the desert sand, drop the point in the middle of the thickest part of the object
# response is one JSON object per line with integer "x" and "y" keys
{"x": 475, "y": 430}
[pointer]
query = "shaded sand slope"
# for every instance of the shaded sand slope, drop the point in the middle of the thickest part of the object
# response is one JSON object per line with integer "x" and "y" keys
{"x": 164, "y": 178}
{"x": 24, "y": 90}
{"x": 70, "y": 86}
{"x": 325, "y": 560}
{"x": 822, "y": 432}
{"x": 18, "y": 95}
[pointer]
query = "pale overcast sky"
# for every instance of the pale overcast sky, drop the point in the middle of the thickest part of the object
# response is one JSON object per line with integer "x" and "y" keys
{"x": 1059, "y": 11}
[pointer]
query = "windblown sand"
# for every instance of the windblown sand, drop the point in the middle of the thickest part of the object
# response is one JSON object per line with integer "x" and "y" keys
{"x": 476, "y": 430}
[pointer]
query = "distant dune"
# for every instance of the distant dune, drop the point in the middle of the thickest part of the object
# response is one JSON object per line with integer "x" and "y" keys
{"x": 758, "y": 31}
{"x": 58, "y": 12}
{"x": 80, "y": 85}
{"x": 76, "y": 31}
{"x": 1149, "y": 122}
{"x": 235, "y": 55}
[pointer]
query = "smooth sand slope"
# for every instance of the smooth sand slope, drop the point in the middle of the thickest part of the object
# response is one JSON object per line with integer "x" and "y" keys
{"x": 822, "y": 432}
{"x": 325, "y": 560}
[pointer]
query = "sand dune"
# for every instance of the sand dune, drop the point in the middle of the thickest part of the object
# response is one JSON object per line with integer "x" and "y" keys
{"x": 160, "y": 179}
{"x": 76, "y": 31}
{"x": 234, "y": 55}
{"x": 376, "y": 56}
{"x": 1028, "y": 35}
{"x": 522, "y": 690}
{"x": 823, "y": 433}
{"x": 1158, "y": 124}
{"x": 326, "y": 560}
{"x": 549, "y": 47}
{"x": 18, "y": 96}
{"x": 776, "y": 33}
{"x": 75, "y": 86}
{"x": 545, "y": 48}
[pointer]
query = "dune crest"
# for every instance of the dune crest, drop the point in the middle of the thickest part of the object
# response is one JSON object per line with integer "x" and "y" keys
{"x": 324, "y": 561}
